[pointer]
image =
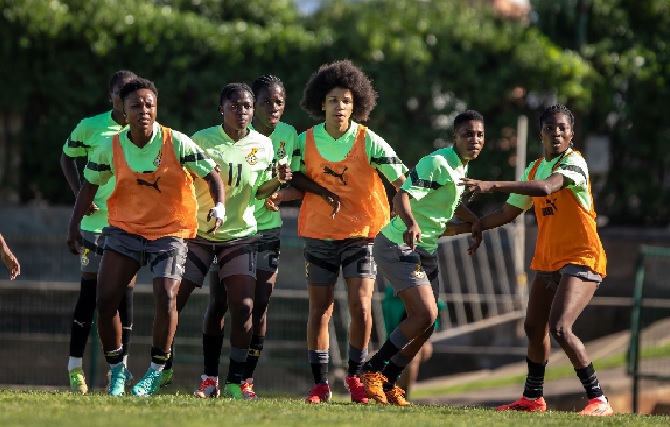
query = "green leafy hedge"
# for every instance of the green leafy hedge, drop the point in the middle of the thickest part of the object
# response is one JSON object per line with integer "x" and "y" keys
{"x": 428, "y": 60}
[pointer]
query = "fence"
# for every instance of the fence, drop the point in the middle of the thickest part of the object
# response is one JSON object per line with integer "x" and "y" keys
{"x": 649, "y": 348}
{"x": 35, "y": 312}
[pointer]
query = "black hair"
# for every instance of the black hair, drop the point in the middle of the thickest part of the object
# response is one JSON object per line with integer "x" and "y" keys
{"x": 342, "y": 74}
{"x": 556, "y": 109}
{"x": 231, "y": 88}
{"x": 136, "y": 84}
{"x": 265, "y": 82}
{"x": 120, "y": 76}
{"x": 467, "y": 116}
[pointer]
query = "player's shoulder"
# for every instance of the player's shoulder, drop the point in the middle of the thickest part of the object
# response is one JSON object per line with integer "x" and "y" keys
{"x": 286, "y": 128}
{"x": 442, "y": 157}
{"x": 574, "y": 157}
{"x": 373, "y": 135}
{"x": 257, "y": 138}
{"x": 316, "y": 130}
{"x": 206, "y": 136}
{"x": 105, "y": 147}
{"x": 93, "y": 123}
{"x": 179, "y": 134}
{"x": 376, "y": 143}
{"x": 255, "y": 135}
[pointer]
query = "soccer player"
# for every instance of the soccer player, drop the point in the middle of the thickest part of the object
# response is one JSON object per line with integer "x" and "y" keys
{"x": 151, "y": 210}
{"x": 393, "y": 310}
{"x": 245, "y": 157}
{"x": 9, "y": 259}
{"x": 270, "y": 97}
{"x": 84, "y": 139}
{"x": 569, "y": 257}
{"x": 406, "y": 252}
{"x": 344, "y": 206}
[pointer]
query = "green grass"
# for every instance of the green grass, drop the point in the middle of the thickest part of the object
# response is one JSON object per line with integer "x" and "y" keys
{"x": 552, "y": 373}
{"x": 59, "y": 409}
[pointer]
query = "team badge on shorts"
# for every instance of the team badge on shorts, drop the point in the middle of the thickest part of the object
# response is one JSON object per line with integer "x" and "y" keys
{"x": 159, "y": 156}
{"x": 281, "y": 151}
{"x": 419, "y": 273}
{"x": 252, "y": 158}
{"x": 84, "y": 257}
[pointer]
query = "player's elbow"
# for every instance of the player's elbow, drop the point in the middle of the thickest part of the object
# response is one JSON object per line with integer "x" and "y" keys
{"x": 546, "y": 190}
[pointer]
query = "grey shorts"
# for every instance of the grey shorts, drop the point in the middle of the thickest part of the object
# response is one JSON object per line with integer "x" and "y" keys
{"x": 234, "y": 258}
{"x": 404, "y": 267}
{"x": 324, "y": 258}
{"x": 552, "y": 278}
{"x": 166, "y": 255}
{"x": 94, "y": 245}
{"x": 268, "y": 250}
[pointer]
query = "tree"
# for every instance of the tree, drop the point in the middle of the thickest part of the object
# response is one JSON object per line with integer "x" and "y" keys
{"x": 626, "y": 43}
{"x": 429, "y": 60}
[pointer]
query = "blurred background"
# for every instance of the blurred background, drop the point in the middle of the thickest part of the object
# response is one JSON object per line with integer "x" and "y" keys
{"x": 607, "y": 60}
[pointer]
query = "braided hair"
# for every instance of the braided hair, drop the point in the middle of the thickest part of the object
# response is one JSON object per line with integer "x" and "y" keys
{"x": 265, "y": 82}
{"x": 557, "y": 109}
{"x": 231, "y": 88}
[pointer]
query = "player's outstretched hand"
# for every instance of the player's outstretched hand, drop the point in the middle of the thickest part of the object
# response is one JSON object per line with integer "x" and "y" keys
{"x": 218, "y": 212}
{"x": 412, "y": 235}
{"x": 475, "y": 186}
{"x": 74, "y": 240}
{"x": 11, "y": 262}
{"x": 92, "y": 209}
{"x": 272, "y": 202}
{"x": 333, "y": 200}
{"x": 477, "y": 236}
{"x": 284, "y": 173}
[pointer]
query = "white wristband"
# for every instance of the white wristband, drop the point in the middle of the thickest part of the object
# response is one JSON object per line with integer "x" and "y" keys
{"x": 281, "y": 162}
{"x": 219, "y": 211}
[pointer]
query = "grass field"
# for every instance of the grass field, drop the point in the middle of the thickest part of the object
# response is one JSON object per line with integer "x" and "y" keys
{"x": 553, "y": 373}
{"x": 58, "y": 409}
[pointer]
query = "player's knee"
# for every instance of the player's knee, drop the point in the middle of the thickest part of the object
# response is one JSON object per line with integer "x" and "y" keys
{"x": 560, "y": 332}
{"x": 361, "y": 307}
{"x": 424, "y": 319}
{"x": 105, "y": 305}
{"x": 261, "y": 305}
{"x": 317, "y": 310}
{"x": 165, "y": 301}
{"x": 218, "y": 299}
{"x": 242, "y": 309}
{"x": 433, "y": 314}
{"x": 534, "y": 331}
{"x": 215, "y": 312}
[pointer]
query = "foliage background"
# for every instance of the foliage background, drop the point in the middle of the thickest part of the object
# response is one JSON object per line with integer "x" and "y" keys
{"x": 430, "y": 59}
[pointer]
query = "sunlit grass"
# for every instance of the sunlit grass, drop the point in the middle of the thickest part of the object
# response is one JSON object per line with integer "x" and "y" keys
{"x": 552, "y": 373}
{"x": 59, "y": 409}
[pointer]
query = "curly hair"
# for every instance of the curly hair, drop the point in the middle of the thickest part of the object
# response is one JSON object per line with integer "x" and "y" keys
{"x": 342, "y": 74}
{"x": 136, "y": 84}
{"x": 557, "y": 109}
{"x": 231, "y": 88}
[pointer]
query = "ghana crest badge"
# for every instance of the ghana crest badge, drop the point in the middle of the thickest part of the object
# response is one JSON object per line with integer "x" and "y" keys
{"x": 159, "y": 157}
{"x": 281, "y": 151}
{"x": 84, "y": 257}
{"x": 419, "y": 273}
{"x": 252, "y": 158}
